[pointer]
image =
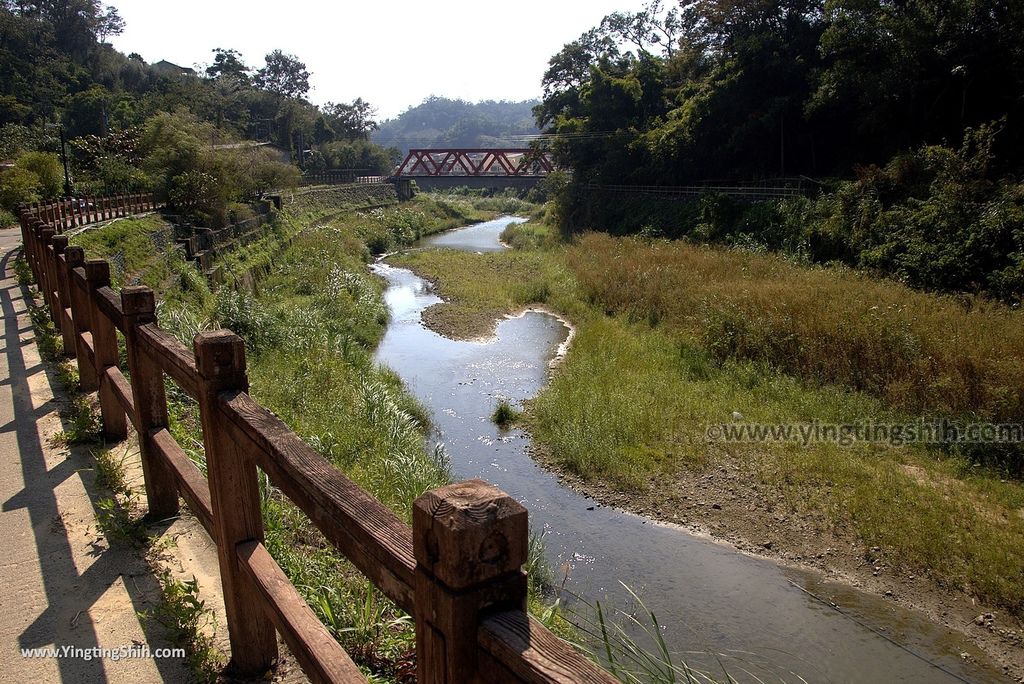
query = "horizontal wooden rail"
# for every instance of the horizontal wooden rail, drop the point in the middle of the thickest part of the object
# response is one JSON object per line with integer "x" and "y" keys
{"x": 516, "y": 648}
{"x": 362, "y": 528}
{"x": 458, "y": 570}
{"x": 122, "y": 391}
{"x": 110, "y": 306}
{"x": 192, "y": 485}
{"x": 85, "y": 339}
{"x": 172, "y": 356}
{"x": 319, "y": 654}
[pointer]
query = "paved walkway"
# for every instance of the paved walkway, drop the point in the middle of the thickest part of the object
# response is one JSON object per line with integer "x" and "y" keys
{"x": 62, "y": 584}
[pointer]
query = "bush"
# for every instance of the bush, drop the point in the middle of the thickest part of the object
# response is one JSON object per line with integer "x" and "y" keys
{"x": 115, "y": 176}
{"x": 195, "y": 194}
{"x": 18, "y": 186}
{"x": 250, "y": 173}
{"x": 47, "y": 168}
{"x": 359, "y": 154}
{"x": 248, "y": 318}
{"x": 505, "y": 414}
{"x": 7, "y": 218}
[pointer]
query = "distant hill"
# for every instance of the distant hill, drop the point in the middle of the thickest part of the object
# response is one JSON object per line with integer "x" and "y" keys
{"x": 439, "y": 121}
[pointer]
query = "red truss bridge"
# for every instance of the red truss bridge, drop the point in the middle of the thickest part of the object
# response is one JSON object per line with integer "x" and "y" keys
{"x": 521, "y": 167}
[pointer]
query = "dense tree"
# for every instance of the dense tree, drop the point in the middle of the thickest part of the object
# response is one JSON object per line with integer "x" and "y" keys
{"x": 754, "y": 88}
{"x": 351, "y": 121}
{"x": 228, "y": 64}
{"x": 284, "y": 75}
{"x": 114, "y": 108}
{"x": 880, "y": 90}
{"x": 654, "y": 25}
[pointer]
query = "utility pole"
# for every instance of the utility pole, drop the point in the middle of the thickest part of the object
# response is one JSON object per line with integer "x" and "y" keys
{"x": 63, "y": 158}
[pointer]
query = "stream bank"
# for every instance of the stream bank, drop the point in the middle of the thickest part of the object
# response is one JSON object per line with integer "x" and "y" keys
{"x": 715, "y": 605}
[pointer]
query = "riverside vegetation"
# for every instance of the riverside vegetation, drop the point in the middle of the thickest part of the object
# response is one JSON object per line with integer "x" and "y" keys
{"x": 310, "y": 327}
{"x": 673, "y": 337}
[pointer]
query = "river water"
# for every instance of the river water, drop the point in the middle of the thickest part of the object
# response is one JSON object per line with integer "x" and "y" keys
{"x": 717, "y": 607}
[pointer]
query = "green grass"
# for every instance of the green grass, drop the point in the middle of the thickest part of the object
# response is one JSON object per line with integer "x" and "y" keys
{"x": 630, "y": 404}
{"x": 188, "y": 619}
{"x": 389, "y": 228}
{"x": 505, "y": 414}
{"x": 129, "y": 245}
{"x": 919, "y": 352}
{"x": 480, "y": 288}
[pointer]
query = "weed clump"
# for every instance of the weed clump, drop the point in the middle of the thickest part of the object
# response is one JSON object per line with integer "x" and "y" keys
{"x": 505, "y": 414}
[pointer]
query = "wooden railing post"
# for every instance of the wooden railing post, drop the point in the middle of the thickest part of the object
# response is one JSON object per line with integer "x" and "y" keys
{"x": 32, "y": 247}
{"x": 139, "y": 307}
{"x": 49, "y": 269}
{"x": 74, "y": 257}
{"x": 22, "y": 212}
{"x": 235, "y": 496}
{"x": 470, "y": 542}
{"x": 37, "y": 243}
{"x": 104, "y": 344}
{"x": 63, "y": 322}
{"x": 27, "y": 238}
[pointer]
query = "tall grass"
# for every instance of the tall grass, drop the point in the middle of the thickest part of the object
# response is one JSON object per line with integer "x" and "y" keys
{"x": 387, "y": 229}
{"x": 919, "y": 352}
{"x": 644, "y": 378}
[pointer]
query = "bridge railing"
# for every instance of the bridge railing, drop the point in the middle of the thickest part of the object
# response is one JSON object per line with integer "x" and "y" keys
{"x": 750, "y": 192}
{"x": 458, "y": 570}
{"x": 518, "y": 162}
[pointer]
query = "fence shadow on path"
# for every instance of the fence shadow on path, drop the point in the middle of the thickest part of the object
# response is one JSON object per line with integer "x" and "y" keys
{"x": 74, "y": 598}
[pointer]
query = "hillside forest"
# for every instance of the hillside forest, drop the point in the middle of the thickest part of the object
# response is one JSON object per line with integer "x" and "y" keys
{"x": 131, "y": 126}
{"x": 901, "y": 120}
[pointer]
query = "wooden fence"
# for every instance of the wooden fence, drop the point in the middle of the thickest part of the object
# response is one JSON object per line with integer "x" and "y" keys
{"x": 69, "y": 213}
{"x": 458, "y": 570}
{"x": 332, "y": 176}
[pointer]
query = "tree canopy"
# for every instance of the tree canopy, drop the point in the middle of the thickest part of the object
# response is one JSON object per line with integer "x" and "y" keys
{"x": 755, "y": 88}
{"x": 132, "y": 126}
{"x": 284, "y": 75}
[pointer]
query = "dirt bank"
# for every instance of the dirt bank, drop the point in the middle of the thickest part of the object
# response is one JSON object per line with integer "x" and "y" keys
{"x": 729, "y": 506}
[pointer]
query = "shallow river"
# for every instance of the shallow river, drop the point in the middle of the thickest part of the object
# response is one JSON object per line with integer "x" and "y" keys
{"x": 714, "y": 603}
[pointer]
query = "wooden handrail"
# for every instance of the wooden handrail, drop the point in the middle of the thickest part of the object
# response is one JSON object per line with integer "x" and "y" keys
{"x": 322, "y": 658}
{"x": 172, "y": 356}
{"x": 457, "y": 570}
{"x": 362, "y": 528}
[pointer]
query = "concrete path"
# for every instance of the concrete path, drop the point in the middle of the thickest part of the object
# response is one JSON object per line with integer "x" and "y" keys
{"x": 62, "y": 583}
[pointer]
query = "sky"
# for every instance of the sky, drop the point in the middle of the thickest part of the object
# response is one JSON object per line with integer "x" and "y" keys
{"x": 393, "y": 53}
